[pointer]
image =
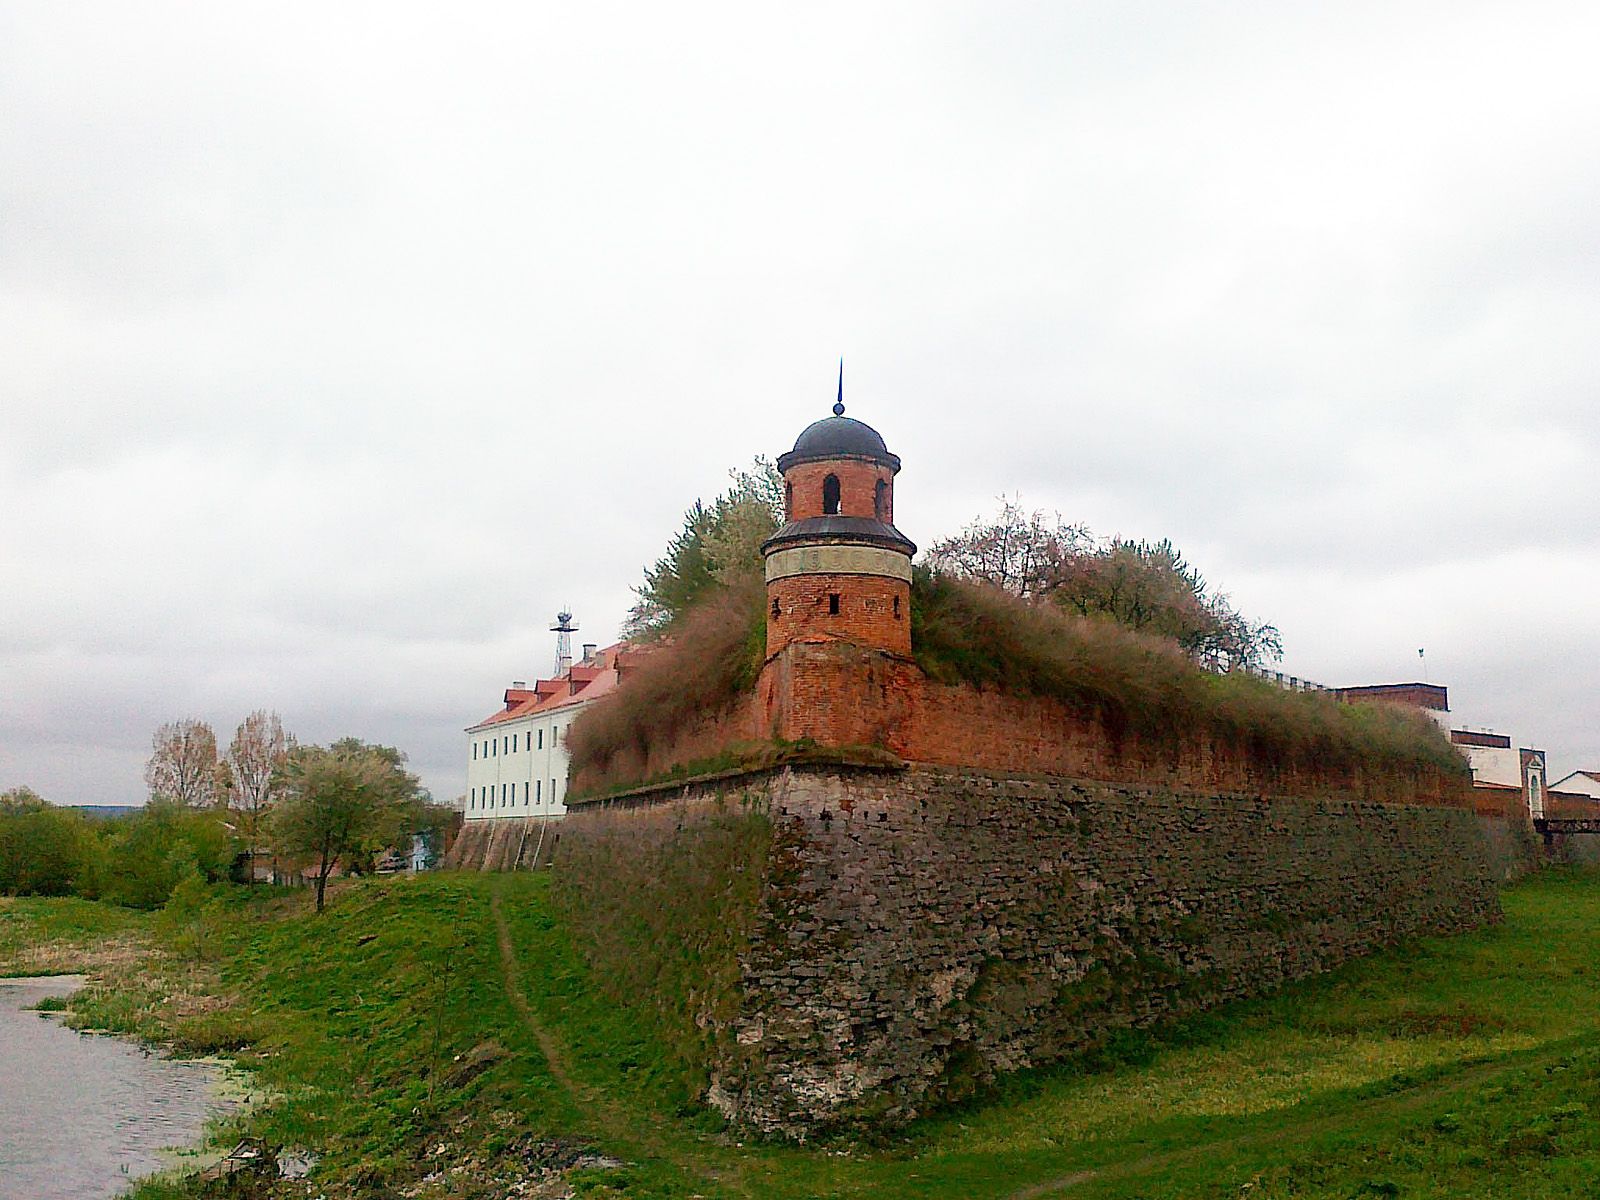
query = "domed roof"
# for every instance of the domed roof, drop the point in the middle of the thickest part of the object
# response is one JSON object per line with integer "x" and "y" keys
{"x": 838, "y": 437}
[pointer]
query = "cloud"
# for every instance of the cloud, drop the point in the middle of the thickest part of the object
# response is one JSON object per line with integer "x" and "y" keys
{"x": 344, "y": 345}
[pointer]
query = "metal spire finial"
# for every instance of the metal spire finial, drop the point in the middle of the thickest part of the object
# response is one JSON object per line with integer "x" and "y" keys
{"x": 838, "y": 407}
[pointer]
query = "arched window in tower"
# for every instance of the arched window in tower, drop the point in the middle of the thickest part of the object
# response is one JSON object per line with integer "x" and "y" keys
{"x": 830, "y": 496}
{"x": 880, "y": 501}
{"x": 788, "y": 501}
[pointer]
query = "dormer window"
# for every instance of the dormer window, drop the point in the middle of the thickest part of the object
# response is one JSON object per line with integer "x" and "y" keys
{"x": 830, "y": 496}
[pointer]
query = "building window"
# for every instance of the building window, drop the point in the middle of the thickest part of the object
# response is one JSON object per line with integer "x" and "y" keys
{"x": 538, "y": 792}
{"x": 526, "y": 788}
{"x": 514, "y": 738}
{"x": 541, "y": 739}
{"x": 788, "y": 500}
{"x": 552, "y": 791}
{"x": 897, "y": 608}
{"x": 474, "y": 751}
{"x": 830, "y": 496}
{"x": 775, "y": 606}
{"x": 833, "y": 604}
{"x": 880, "y": 501}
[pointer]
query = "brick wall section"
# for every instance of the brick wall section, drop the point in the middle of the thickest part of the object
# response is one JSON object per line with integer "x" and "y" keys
{"x": 873, "y": 610}
{"x": 923, "y": 932}
{"x": 839, "y": 694}
{"x": 858, "y": 483}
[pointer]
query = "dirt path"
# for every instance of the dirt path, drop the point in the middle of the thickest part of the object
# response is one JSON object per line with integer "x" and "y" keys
{"x": 1401, "y": 1102}
{"x": 640, "y": 1132}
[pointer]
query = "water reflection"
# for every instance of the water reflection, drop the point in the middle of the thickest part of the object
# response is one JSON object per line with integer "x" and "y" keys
{"x": 80, "y": 1115}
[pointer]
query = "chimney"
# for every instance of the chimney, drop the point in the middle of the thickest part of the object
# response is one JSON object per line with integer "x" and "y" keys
{"x": 519, "y": 684}
{"x": 588, "y": 651}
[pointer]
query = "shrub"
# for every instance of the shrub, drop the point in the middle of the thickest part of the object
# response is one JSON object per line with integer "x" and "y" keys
{"x": 47, "y": 851}
{"x": 699, "y": 669}
{"x": 1134, "y": 683}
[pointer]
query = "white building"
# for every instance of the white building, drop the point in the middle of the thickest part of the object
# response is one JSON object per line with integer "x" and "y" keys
{"x": 1582, "y": 783}
{"x": 517, "y": 757}
{"x": 1497, "y": 766}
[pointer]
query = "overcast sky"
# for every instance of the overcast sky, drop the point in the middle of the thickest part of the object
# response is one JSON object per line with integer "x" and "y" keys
{"x": 341, "y": 344}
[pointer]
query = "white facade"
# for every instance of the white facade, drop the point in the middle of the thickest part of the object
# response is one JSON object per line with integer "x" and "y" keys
{"x": 518, "y": 767}
{"x": 517, "y": 757}
{"x": 1585, "y": 783}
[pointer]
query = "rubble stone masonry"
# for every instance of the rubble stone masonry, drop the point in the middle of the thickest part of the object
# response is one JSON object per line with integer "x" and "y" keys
{"x": 920, "y": 932}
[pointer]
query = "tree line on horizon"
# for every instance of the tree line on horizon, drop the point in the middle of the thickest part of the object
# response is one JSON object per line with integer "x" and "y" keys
{"x": 210, "y": 815}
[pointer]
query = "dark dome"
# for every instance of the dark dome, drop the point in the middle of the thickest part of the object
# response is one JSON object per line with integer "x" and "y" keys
{"x": 838, "y": 437}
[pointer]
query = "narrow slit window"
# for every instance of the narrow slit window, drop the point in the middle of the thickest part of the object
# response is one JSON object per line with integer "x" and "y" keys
{"x": 897, "y": 608}
{"x": 788, "y": 501}
{"x": 880, "y": 501}
{"x": 830, "y": 496}
{"x": 775, "y": 611}
{"x": 833, "y": 604}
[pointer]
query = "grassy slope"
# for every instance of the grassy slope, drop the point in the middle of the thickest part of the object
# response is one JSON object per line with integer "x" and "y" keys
{"x": 1461, "y": 1067}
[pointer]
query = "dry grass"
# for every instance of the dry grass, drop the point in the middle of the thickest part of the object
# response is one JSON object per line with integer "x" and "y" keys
{"x": 1146, "y": 687}
{"x": 708, "y": 659}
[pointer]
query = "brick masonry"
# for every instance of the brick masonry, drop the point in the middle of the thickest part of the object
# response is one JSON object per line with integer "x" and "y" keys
{"x": 839, "y": 694}
{"x": 872, "y": 609}
{"x": 921, "y": 932}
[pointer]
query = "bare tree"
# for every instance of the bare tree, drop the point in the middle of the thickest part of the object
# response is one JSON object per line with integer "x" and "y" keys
{"x": 254, "y": 775}
{"x": 1144, "y": 585}
{"x": 183, "y": 767}
{"x": 1027, "y": 554}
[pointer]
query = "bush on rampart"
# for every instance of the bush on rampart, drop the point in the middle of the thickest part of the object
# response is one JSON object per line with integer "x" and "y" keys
{"x": 1146, "y": 688}
{"x": 704, "y": 665}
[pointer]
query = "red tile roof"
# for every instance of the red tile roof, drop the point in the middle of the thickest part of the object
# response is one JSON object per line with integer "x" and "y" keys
{"x": 581, "y": 684}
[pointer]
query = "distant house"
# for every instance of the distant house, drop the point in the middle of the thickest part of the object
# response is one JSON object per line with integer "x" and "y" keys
{"x": 517, "y": 756}
{"x": 1506, "y": 780}
{"x": 1579, "y": 783}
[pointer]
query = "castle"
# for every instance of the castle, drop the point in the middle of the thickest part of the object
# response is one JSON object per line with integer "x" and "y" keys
{"x": 959, "y": 882}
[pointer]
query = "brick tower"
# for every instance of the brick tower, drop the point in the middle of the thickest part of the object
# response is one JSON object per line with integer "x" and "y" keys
{"x": 839, "y": 569}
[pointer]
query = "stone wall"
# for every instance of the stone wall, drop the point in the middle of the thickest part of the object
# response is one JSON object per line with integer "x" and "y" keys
{"x": 503, "y": 844}
{"x": 921, "y": 932}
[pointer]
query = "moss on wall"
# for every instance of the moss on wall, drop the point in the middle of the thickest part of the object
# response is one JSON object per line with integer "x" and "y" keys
{"x": 663, "y": 907}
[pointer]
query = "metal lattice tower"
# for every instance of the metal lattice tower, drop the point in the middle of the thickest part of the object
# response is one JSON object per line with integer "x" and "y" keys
{"x": 563, "y": 628}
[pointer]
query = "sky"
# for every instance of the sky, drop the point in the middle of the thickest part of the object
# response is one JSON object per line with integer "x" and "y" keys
{"x": 342, "y": 345}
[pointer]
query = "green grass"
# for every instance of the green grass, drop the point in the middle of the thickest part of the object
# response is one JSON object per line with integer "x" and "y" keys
{"x": 1460, "y": 1067}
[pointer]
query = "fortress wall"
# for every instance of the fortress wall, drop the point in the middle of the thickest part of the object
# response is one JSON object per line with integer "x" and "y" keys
{"x": 838, "y": 694}
{"x": 503, "y": 843}
{"x": 921, "y": 932}
{"x": 707, "y": 739}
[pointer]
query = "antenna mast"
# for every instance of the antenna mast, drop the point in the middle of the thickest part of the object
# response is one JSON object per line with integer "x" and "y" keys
{"x": 564, "y": 628}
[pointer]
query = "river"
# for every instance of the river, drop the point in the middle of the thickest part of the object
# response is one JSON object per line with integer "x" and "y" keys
{"x": 81, "y": 1115}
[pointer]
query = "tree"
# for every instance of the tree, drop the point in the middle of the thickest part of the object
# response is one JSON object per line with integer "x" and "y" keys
{"x": 45, "y": 850}
{"x": 183, "y": 767}
{"x": 342, "y": 804}
{"x": 718, "y": 546}
{"x": 154, "y": 850}
{"x": 1144, "y": 585}
{"x": 254, "y": 775}
{"x": 1027, "y": 554}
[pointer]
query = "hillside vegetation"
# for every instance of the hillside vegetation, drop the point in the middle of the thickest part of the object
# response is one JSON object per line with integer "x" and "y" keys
{"x": 439, "y": 1038}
